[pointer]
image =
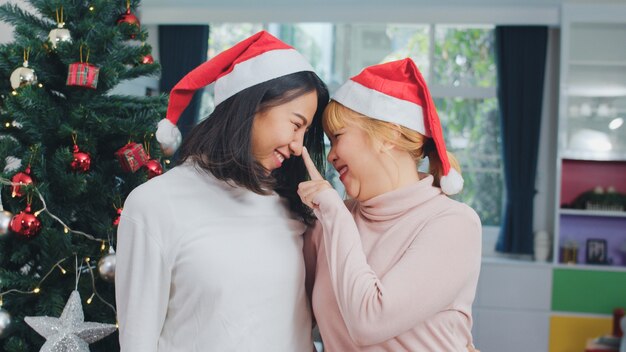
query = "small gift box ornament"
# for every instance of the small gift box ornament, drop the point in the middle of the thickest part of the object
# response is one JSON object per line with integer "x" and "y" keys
{"x": 132, "y": 157}
{"x": 83, "y": 74}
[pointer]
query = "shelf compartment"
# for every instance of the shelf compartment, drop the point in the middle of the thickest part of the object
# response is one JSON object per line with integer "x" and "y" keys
{"x": 570, "y": 333}
{"x": 580, "y": 228}
{"x": 578, "y": 176}
{"x": 588, "y": 291}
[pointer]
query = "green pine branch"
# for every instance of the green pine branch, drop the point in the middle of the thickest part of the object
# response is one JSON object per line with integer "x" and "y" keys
{"x": 43, "y": 121}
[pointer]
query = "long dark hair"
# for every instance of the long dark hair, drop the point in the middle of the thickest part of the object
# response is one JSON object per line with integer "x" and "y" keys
{"x": 221, "y": 144}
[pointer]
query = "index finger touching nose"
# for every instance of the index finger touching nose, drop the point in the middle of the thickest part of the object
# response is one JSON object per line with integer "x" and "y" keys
{"x": 310, "y": 166}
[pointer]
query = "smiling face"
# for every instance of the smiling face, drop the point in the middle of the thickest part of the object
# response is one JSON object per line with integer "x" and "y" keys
{"x": 278, "y": 131}
{"x": 360, "y": 160}
{"x": 355, "y": 158}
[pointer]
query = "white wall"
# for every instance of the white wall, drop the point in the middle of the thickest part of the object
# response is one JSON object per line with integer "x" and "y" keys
{"x": 371, "y": 11}
{"x": 512, "y": 307}
{"x": 397, "y": 11}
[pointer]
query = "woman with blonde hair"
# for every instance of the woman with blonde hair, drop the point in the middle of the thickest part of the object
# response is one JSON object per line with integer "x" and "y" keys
{"x": 395, "y": 268}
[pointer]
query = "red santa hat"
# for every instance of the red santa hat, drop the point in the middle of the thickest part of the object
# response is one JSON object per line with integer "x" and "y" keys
{"x": 257, "y": 59}
{"x": 396, "y": 92}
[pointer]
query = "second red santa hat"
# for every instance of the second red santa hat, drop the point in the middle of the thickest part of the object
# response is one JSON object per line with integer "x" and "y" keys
{"x": 257, "y": 59}
{"x": 396, "y": 92}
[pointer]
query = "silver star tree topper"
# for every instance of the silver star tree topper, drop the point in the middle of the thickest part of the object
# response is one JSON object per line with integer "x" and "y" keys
{"x": 70, "y": 332}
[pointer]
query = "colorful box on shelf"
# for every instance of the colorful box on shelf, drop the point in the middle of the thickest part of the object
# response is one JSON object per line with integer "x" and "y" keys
{"x": 581, "y": 176}
{"x": 596, "y": 239}
{"x": 572, "y": 333}
{"x": 609, "y": 343}
{"x": 588, "y": 291}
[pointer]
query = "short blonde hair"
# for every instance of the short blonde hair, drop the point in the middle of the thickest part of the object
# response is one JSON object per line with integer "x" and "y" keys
{"x": 337, "y": 116}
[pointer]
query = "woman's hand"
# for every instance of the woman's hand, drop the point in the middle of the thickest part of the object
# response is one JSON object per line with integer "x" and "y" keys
{"x": 309, "y": 189}
{"x": 471, "y": 348}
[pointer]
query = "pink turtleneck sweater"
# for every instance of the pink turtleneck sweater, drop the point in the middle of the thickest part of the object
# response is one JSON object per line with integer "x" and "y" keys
{"x": 395, "y": 273}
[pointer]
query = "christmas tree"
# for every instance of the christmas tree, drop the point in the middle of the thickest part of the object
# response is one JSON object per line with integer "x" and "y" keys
{"x": 70, "y": 153}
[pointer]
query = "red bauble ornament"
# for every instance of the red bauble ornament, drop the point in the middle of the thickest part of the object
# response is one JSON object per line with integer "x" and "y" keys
{"x": 130, "y": 18}
{"x": 82, "y": 160}
{"x": 148, "y": 59}
{"x": 116, "y": 221}
{"x": 25, "y": 224}
{"x": 154, "y": 168}
{"x": 24, "y": 179}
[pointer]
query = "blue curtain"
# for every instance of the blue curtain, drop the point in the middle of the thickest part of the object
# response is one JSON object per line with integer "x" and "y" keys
{"x": 520, "y": 53}
{"x": 182, "y": 48}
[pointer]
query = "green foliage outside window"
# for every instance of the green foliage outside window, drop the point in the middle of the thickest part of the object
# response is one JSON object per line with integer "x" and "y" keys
{"x": 476, "y": 146}
{"x": 464, "y": 57}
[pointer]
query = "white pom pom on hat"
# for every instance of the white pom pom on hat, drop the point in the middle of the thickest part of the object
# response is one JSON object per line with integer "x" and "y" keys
{"x": 396, "y": 92}
{"x": 452, "y": 183}
{"x": 168, "y": 136}
{"x": 257, "y": 59}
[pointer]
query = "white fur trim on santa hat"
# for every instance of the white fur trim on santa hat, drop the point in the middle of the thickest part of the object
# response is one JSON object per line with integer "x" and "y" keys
{"x": 452, "y": 183}
{"x": 259, "y": 69}
{"x": 169, "y": 137}
{"x": 380, "y": 106}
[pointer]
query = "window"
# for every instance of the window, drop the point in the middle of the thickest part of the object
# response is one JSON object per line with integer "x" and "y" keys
{"x": 456, "y": 61}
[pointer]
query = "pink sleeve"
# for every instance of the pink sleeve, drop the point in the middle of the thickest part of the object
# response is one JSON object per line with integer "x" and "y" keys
{"x": 309, "y": 249}
{"x": 435, "y": 268}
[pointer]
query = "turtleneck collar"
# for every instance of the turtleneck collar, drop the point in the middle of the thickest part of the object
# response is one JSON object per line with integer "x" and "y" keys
{"x": 393, "y": 204}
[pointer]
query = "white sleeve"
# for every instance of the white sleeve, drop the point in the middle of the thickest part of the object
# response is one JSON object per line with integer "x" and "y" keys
{"x": 142, "y": 286}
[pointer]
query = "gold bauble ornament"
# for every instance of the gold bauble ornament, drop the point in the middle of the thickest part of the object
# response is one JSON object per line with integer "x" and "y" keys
{"x": 23, "y": 76}
{"x": 59, "y": 35}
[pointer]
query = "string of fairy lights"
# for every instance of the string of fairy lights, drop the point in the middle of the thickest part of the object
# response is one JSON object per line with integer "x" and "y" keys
{"x": 26, "y": 223}
{"x": 87, "y": 260}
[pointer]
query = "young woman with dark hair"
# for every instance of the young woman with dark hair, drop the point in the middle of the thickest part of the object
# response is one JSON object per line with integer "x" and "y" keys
{"x": 209, "y": 254}
{"x": 222, "y": 144}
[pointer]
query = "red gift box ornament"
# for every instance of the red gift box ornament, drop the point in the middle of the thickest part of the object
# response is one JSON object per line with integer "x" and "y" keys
{"x": 132, "y": 157}
{"x": 83, "y": 74}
